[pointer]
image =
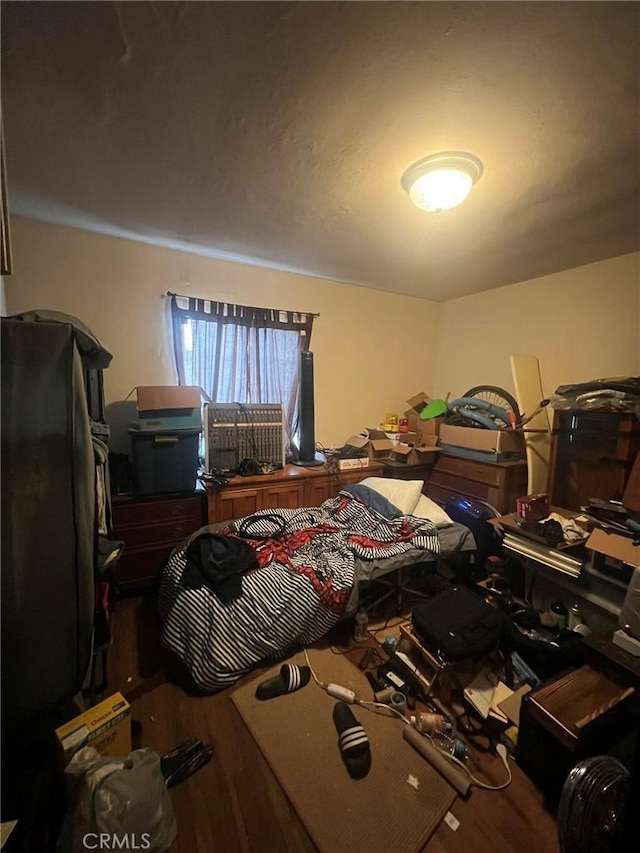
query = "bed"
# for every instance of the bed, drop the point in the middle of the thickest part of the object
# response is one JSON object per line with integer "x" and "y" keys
{"x": 309, "y": 566}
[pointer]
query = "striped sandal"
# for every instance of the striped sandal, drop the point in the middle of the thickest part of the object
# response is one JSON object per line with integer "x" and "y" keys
{"x": 291, "y": 677}
{"x": 352, "y": 741}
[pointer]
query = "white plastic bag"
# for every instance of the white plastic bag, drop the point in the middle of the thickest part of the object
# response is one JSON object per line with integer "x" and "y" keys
{"x": 117, "y": 803}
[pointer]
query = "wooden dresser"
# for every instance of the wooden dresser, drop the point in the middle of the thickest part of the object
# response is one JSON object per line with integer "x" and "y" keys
{"x": 150, "y": 528}
{"x": 290, "y": 488}
{"x": 499, "y": 484}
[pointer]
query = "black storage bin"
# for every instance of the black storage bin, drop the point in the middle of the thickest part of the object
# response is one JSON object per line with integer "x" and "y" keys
{"x": 164, "y": 462}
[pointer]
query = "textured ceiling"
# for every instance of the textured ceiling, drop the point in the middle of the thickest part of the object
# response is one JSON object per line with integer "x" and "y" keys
{"x": 277, "y": 133}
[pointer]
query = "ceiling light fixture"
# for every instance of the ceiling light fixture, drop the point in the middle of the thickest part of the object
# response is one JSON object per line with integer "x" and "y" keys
{"x": 441, "y": 181}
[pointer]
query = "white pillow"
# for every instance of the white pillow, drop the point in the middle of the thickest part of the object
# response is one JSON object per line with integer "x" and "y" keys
{"x": 426, "y": 508}
{"x": 401, "y": 493}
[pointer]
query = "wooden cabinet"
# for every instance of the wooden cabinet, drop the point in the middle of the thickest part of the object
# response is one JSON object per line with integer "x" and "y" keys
{"x": 150, "y": 528}
{"x": 499, "y": 484}
{"x": 317, "y": 490}
{"x": 592, "y": 454}
{"x": 290, "y": 488}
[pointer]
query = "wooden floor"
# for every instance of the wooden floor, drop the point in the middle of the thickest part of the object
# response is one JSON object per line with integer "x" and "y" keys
{"x": 236, "y": 804}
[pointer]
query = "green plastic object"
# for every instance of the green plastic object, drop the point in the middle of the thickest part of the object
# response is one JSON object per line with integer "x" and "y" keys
{"x": 434, "y": 409}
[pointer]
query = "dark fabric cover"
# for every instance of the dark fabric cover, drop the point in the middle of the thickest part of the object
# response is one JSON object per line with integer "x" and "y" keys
{"x": 374, "y": 499}
{"x": 219, "y": 563}
{"x": 48, "y": 520}
{"x": 94, "y": 356}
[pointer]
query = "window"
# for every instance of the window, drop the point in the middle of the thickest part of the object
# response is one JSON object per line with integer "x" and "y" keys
{"x": 239, "y": 354}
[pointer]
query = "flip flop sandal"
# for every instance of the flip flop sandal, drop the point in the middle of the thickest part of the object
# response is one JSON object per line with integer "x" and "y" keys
{"x": 291, "y": 678}
{"x": 352, "y": 741}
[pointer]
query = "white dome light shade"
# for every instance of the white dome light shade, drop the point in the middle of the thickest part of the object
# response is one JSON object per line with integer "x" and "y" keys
{"x": 441, "y": 181}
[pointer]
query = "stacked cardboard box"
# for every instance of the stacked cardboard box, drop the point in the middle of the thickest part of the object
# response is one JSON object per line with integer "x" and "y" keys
{"x": 499, "y": 441}
{"x": 408, "y": 448}
{"x": 427, "y": 430}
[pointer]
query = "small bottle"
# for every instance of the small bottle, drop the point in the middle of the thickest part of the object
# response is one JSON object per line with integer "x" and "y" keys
{"x": 389, "y": 644}
{"x": 430, "y": 723}
{"x": 574, "y": 617}
{"x": 362, "y": 621}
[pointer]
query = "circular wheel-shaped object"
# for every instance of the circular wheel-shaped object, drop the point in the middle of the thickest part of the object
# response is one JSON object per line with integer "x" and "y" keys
{"x": 592, "y": 805}
{"x": 496, "y": 396}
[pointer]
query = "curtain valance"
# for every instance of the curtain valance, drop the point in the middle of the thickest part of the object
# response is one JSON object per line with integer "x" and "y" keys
{"x": 191, "y": 308}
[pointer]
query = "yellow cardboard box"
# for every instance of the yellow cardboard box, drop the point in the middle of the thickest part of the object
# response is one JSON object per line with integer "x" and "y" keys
{"x": 106, "y": 727}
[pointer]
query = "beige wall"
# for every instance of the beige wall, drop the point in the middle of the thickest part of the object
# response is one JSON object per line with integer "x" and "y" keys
{"x": 372, "y": 350}
{"x": 582, "y": 324}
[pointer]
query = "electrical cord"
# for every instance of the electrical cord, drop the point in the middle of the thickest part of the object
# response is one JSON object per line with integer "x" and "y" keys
{"x": 250, "y": 428}
{"x": 371, "y": 706}
{"x": 346, "y": 695}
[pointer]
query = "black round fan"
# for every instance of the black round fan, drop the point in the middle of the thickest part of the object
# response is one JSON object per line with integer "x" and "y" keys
{"x": 592, "y": 805}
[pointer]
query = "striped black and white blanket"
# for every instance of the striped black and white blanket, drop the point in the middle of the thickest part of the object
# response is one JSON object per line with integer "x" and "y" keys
{"x": 306, "y": 571}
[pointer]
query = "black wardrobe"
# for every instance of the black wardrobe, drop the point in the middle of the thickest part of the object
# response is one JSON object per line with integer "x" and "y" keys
{"x": 51, "y": 504}
{"x": 50, "y": 524}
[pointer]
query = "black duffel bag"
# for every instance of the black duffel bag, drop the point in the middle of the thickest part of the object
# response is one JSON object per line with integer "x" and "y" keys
{"x": 458, "y": 623}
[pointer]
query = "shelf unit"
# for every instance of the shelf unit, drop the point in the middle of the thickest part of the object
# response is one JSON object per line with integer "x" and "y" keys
{"x": 592, "y": 454}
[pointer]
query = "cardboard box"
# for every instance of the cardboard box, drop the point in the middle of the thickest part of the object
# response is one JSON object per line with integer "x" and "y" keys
{"x": 418, "y": 402}
{"x": 427, "y": 429}
{"x": 351, "y": 464}
{"x": 361, "y": 442}
{"x": 430, "y": 428}
{"x": 418, "y": 455}
{"x": 404, "y": 437}
{"x": 613, "y": 555}
{"x": 380, "y": 446}
{"x": 377, "y": 444}
{"x": 486, "y": 440}
{"x": 106, "y": 727}
{"x": 169, "y": 407}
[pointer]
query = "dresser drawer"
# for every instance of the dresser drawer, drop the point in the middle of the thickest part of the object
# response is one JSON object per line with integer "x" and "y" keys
{"x": 480, "y": 472}
{"x": 502, "y": 495}
{"x": 460, "y": 486}
{"x": 150, "y": 528}
{"x": 131, "y": 513}
{"x": 150, "y": 535}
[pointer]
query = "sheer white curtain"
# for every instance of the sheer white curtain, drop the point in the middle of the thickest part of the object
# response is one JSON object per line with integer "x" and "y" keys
{"x": 239, "y": 354}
